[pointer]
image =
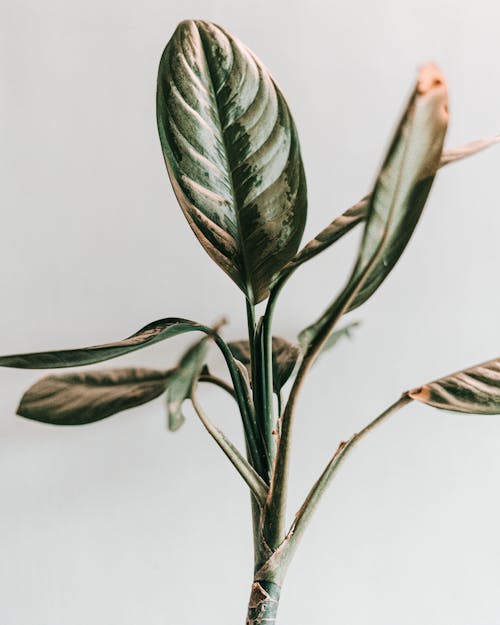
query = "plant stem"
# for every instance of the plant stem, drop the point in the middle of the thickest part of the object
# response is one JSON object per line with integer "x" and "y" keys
{"x": 311, "y": 502}
{"x": 212, "y": 379}
{"x": 264, "y": 602}
{"x": 244, "y": 468}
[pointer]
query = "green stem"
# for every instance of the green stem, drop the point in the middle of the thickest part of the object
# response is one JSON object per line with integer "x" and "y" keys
{"x": 311, "y": 502}
{"x": 244, "y": 468}
{"x": 212, "y": 379}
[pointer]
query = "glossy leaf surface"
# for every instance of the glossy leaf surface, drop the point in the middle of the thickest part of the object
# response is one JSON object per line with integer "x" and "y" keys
{"x": 78, "y": 398}
{"x": 285, "y": 356}
{"x": 475, "y": 390}
{"x": 232, "y": 154}
{"x": 150, "y": 334}
{"x": 181, "y": 382}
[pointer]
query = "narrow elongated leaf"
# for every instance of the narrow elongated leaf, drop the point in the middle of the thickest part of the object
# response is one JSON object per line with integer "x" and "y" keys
{"x": 285, "y": 356}
{"x": 475, "y": 390}
{"x": 358, "y": 213}
{"x": 469, "y": 149}
{"x": 181, "y": 382}
{"x": 78, "y": 398}
{"x": 398, "y": 197}
{"x": 341, "y": 333}
{"x": 404, "y": 183}
{"x": 232, "y": 154}
{"x": 150, "y": 334}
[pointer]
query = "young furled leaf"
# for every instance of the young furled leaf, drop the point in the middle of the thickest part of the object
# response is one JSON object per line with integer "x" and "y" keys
{"x": 181, "y": 381}
{"x": 285, "y": 356}
{"x": 475, "y": 390}
{"x": 150, "y": 334}
{"x": 79, "y": 398}
{"x": 232, "y": 154}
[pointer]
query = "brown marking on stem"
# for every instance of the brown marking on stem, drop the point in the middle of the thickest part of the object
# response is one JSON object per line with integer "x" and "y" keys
{"x": 258, "y": 596}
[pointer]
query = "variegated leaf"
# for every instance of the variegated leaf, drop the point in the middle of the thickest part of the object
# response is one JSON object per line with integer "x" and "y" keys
{"x": 78, "y": 398}
{"x": 285, "y": 356}
{"x": 358, "y": 213}
{"x": 475, "y": 390}
{"x": 403, "y": 184}
{"x": 232, "y": 154}
{"x": 150, "y": 334}
{"x": 181, "y": 382}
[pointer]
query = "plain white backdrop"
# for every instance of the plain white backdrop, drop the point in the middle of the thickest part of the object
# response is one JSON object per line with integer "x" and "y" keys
{"x": 121, "y": 522}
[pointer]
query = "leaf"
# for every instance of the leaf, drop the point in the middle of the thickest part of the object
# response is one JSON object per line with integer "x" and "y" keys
{"x": 285, "y": 356}
{"x": 232, "y": 153}
{"x": 150, "y": 334}
{"x": 78, "y": 398}
{"x": 181, "y": 382}
{"x": 403, "y": 184}
{"x": 337, "y": 335}
{"x": 340, "y": 226}
{"x": 475, "y": 390}
{"x": 469, "y": 149}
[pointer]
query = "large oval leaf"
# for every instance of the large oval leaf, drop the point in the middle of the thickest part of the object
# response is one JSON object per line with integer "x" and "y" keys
{"x": 232, "y": 154}
{"x": 475, "y": 390}
{"x": 150, "y": 334}
{"x": 79, "y": 398}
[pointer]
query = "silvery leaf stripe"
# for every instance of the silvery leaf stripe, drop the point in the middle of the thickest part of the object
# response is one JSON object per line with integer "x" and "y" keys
{"x": 232, "y": 153}
{"x": 475, "y": 390}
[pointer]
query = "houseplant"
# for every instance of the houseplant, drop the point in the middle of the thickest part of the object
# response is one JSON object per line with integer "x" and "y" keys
{"x": 233, "y": 157}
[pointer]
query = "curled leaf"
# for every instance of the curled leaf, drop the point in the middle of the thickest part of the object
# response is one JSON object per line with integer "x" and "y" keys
{"x": 475, "y": 390}
{"x": 232, "y": 154}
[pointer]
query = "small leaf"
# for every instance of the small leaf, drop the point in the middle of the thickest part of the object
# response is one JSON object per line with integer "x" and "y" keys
{"x": 475, "y": 390}
{"x": 335, "y": 336}
{"x": 78, "y": 398}
{"x": 285, "y": 357}
{"x": 181, "y": 382}
{"x": 232, "y": 154}
{"x": 469, "y": 149}
{"x": 150, "y": 334}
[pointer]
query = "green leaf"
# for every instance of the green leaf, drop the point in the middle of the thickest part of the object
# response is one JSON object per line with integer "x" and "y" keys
{"x": 181, "y": 382}
{"x": 78, "y": 398}
{"x": 475, "y": 390}
{"x": 398, "y": 197}
{"x": 232, "y": 153}
{"x": 337, "y": 335}
{"x": 285, "y": 357}
{"x": 340, "y": 226}
{"x": 403, "y": 184}
{"x": 358, "y": 213}
{"x": 150, "y": 334}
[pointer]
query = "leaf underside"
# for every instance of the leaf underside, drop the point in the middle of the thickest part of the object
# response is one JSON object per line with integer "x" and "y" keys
{"x": 150, "y": 334}
{"x": 232, "y": 154}
{"x": 475, "y": 390}
{"x": 80, "y": 398}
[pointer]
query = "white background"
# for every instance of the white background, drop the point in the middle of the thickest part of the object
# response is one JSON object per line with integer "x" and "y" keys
{"x": 123, "y": 523}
